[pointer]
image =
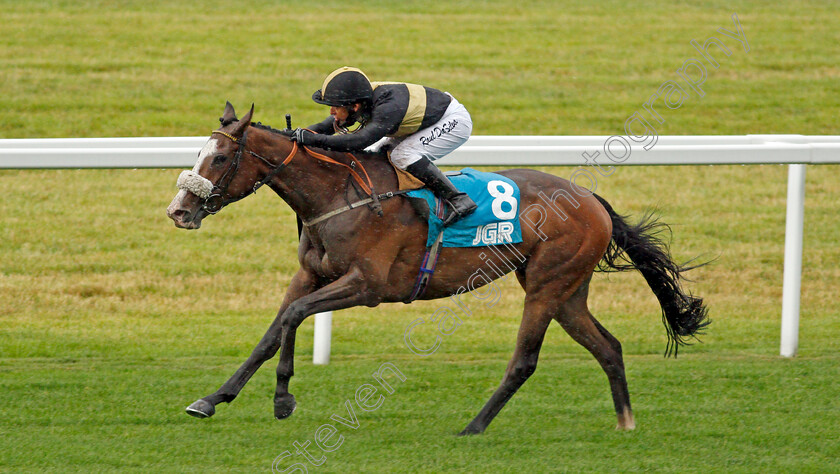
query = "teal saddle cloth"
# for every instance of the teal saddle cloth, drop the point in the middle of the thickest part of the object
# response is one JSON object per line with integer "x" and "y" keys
{"x": 496, "y": 221}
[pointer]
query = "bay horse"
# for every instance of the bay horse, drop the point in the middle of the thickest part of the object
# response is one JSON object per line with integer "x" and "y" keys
{"x": 352, "y": 257}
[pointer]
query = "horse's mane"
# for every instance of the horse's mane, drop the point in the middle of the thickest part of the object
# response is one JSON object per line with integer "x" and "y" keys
{"x": 364, "y": 155}
{"x": 261, "y": 126}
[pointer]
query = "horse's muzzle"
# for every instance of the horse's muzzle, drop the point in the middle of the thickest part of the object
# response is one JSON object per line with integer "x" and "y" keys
{"x": 182, "y": 215}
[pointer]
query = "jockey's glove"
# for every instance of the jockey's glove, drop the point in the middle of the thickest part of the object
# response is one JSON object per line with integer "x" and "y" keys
{"x": 303, "y": 137}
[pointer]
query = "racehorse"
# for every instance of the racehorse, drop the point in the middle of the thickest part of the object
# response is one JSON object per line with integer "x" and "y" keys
{"x": 370, "y": 254}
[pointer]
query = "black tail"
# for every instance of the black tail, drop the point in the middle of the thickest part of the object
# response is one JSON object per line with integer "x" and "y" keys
{"x": 638, "y": 247}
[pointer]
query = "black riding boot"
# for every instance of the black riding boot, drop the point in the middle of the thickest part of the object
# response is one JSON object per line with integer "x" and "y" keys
{"x": 439, "y": 184}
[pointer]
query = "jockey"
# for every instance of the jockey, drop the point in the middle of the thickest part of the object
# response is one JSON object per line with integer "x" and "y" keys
{"x": 418, "y": 124}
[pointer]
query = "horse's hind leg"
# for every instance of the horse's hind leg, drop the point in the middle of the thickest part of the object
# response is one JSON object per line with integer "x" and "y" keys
{"x": 535, "y": 320}
{"x": 576, "y": 319}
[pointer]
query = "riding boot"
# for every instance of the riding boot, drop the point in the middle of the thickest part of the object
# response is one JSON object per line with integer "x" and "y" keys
{"x": 439, "y": 184}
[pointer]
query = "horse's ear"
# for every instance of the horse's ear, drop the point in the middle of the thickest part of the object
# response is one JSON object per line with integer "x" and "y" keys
{"x": 240, "y": 127}
{"x": 229, "y": 116}
{"x": 249, "y": 115}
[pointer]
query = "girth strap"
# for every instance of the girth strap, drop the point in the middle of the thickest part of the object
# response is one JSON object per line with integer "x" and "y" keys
{"x": 427, "y": 269}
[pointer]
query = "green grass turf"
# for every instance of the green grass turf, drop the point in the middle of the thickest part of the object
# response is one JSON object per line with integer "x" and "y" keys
{"x": 112, "y": 320}
{"x": 161, "y": 68}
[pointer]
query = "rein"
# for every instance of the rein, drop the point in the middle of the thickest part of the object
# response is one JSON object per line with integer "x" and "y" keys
{"x": 214, "y": 202}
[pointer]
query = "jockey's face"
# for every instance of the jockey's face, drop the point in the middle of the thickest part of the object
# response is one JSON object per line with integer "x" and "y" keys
{"x": 342, "y": 113}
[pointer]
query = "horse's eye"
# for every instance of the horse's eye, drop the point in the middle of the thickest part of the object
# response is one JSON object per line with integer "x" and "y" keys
{"x": 219, "y": 159}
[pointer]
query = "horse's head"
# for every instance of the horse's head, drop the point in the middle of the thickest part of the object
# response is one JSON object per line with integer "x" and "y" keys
{"x": 218, "y": 177}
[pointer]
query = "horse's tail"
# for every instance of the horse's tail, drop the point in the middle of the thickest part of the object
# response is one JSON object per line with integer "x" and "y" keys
{"x": 639, "y": 247}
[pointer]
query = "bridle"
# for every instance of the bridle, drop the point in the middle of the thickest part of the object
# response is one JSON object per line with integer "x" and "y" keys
{"x": 215, "y": 201}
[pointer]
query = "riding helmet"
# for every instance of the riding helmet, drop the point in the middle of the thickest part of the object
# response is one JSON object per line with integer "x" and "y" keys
{"x": 344, "y": 86}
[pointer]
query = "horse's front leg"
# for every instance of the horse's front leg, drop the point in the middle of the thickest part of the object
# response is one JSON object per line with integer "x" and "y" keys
{"x": 346, "y": 292}
{"x": 302, "y": 283}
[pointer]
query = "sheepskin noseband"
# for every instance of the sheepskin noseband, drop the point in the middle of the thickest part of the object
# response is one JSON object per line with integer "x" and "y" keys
{"x": 194, "y": 183}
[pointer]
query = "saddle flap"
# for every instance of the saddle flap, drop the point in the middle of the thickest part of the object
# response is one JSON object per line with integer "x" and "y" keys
{"x": 407, "y": 181}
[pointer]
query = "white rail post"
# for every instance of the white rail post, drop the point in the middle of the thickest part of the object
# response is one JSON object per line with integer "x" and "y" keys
{"x": 793, "y": 260}
{"x": 323, "y": 335}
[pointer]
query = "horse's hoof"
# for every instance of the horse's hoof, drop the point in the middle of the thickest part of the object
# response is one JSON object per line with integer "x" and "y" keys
{"x": 284, "y": 405}
{"x": 469, "y": 431}
{"x": 201, "y": 409}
